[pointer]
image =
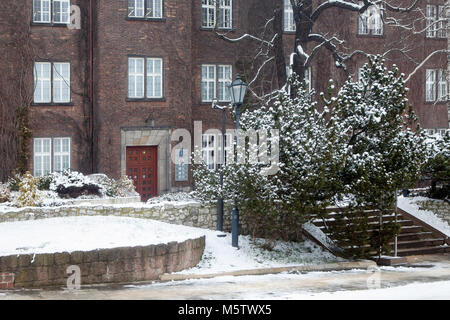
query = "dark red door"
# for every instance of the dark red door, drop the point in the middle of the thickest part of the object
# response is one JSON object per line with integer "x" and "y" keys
{"x": 142, "y": 166}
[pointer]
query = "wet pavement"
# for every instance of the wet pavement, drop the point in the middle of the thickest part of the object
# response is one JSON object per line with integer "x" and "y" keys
{"x": 421, "y": 269}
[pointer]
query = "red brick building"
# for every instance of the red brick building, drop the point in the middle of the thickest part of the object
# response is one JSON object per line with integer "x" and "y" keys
{"x": 107, "y": 94}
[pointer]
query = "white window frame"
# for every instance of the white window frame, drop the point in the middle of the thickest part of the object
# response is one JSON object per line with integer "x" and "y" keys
{"x": 436, "y": 85}
{"x": 51, "y": 155}
{"x": 154, "y": 75}
{"x": 63, "y": 14}
{"x": 40, "y": 80}
{"x": 288, "y": 17}
{"x": 442, "y": 86}
{"x": 209, "y": 150}
{"x": 223, "y": 93}
{"x": 135, "y": 10}
{"x": 430, "y": 85}
{"x": 61, "y": 82}
{"x": 209, "y": 14}
{"x": 53, "y": 6}
{"x": 208, "y": 82}
{"x": 136, "y": 74}
{"x": 39, "y": 153}
{"x": 38, "y": 15}
{"x": 442, "y": 25}
{"x": 226, "y": 14}
{"x": 431, "y": 14}
{"x": 57, "y": 83}
{"x": 156, "y": 6}
{"x": 372, "y": 12}
{"x": 60, "y": 154}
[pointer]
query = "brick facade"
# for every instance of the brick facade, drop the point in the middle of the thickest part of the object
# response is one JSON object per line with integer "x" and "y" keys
{"x": 184, "y": 46}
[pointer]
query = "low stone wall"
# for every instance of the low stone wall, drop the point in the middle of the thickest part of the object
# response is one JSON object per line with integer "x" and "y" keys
{"x": 439, "y": 207}
{"x": 189, "y": 214}
{"x": 117, "y": 265}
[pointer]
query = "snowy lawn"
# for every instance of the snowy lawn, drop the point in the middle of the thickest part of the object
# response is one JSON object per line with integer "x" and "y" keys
{"x": 410, "y": 205}
{"x": 88, "y": 233}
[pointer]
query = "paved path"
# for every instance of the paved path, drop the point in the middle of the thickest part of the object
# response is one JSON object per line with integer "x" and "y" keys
{"x": 425, "y": 269}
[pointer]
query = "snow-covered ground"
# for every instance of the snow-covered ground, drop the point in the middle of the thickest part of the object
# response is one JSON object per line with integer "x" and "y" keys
{"x": 70, "y": 234}
{"x": 88, "y": 233}
{"x": 415, "y": 291}
{"x": 409, "y": 204}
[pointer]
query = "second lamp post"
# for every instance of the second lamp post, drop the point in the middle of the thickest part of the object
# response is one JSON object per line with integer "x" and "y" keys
{"x": 238, "y": 88}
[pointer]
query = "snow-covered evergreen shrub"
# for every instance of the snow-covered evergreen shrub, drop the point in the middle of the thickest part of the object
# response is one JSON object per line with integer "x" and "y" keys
{"x": 44, "y": 182}
{"x": 276, "y": 206}
{"x": 72, "y": 184}
{"x": 29, "y": 194}
{"x": 437, "y": 168}
{"x": 13, "y": 182}
{"x": 5, "y": 195}
{"x": 385, "y": 151}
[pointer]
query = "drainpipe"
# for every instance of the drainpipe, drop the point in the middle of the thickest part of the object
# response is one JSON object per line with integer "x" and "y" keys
{"x": 91, "y": 83}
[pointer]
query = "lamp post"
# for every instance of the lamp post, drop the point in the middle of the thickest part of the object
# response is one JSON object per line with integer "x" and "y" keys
{"x": 220, "y": 199}
{"x": 238, "y": 89}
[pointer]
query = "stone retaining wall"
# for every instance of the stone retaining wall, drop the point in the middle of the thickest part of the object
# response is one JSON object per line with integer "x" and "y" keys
{"x": 188, "y": 214}
{"x": 117, "y": 265}
{"x": 439, "y": 207}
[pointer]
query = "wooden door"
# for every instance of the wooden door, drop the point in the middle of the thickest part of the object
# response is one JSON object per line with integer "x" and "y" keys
{"x": 142, "y": 168}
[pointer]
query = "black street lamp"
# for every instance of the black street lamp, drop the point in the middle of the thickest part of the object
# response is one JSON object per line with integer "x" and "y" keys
{"x": 222, "y": 163}
{"x": 238, "y": 88}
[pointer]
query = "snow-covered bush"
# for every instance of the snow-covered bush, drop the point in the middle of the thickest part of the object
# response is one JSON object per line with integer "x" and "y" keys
{"x": 437, "y": 168}
{"x": 276, "y": 206}
{"x": 123, "y": 187}
{"x": 13, "y": 182}
{"x": 385, "y": 151}
{"x": 5, "y": 195}
{"x": 175, "y": 197}
{"x": 358, "y": 143}
{"x": 72, "y": 184}
{"x": 44, "y": 182}
{"x": 29, "y": 194}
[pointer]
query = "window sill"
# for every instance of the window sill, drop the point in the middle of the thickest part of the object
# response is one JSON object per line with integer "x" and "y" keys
{"x": 436, "y": 102}
{"x": 49, "y": 24}
{"x": 435, "y": 38}
{"x": 218, "y": 29}
{"x": 52, "y": 104}
{"x": 380, "y": 36}
{"x": 146, "y": 19}
{"x": 145, "y": 99}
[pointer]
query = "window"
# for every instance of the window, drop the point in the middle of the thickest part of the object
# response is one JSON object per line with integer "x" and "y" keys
{"x": 436, "y": 17}
{"x": 289, "y": 24}
{"x": 209, "y": 13}
{"x": 42, "y": 156}
{"x": 215, "y": 82}
{"x": 212, "y": 149}
{"x": 52, "y": 82}
{"x": 370, "y": 21}
{"x": 145, "y": 78}
{"x": 46, "y": 149}
{"x": 51, "y": 11}
{"x": 435, "y": 85}
{"x": 145, "y": 9}
{"x": 61, "y": 154}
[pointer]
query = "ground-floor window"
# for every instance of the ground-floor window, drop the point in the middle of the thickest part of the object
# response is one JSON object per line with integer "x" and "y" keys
{"x": 51, "y": 155}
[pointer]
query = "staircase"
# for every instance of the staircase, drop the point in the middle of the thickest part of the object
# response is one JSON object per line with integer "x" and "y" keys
{"x": 416, "y": 236}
